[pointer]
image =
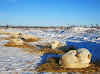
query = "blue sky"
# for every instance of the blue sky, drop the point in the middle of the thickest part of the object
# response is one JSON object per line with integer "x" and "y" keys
{"x": 49, "y": 12}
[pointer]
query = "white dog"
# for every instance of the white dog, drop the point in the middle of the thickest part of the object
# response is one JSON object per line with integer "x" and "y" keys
{"x": 29, "y": 36}
{"x": 76, "y": 59}
{"x": 17, "y": 41}
{"x": 16, "y": 35}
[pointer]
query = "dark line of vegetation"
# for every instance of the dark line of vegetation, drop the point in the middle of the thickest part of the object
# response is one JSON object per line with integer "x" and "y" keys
{"x": 67, "y": 26}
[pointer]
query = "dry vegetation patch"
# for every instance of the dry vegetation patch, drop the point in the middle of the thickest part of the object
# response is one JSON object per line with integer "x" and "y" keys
{"x": 32, "y": 40}
{"x": 49, "y": 50}
{"x": 12, "y": 44}
{"x": 42, "y": 51}
{"x": 26, "y": 40}
{"x": 2, "y": 39}
{"x": 53, "y": 66}
{"x": 26, "y": 47}
{"x": 5, "y": 33}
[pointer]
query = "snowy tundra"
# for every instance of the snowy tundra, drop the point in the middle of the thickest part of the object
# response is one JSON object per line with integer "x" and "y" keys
{"x": 14, "y": 59}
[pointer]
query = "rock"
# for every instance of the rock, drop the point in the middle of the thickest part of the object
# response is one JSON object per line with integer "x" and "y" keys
{"x": 56, "y": 44}
{"x": 76, "y": 59}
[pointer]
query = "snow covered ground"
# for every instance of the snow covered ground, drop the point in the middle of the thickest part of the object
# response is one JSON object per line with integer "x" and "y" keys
{"x": 14, "y": 59}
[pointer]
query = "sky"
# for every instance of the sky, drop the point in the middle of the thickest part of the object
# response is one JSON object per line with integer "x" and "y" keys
{"x": 49, "y": 12}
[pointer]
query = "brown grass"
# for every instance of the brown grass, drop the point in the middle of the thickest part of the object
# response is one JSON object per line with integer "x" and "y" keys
{"x": 5, "y": 33}
{"x": 12, "y": 44}
{"x": 42, "y": 51}
{"x": 2, "y": 39}
{"x": 32, "y": 40}
{"x": 49, "y": 50}
{"x": 53, "y": 66}
{"x": 26, "y": 40}
{"x": 27, "y": 48}
{"x": 33, "y": 49}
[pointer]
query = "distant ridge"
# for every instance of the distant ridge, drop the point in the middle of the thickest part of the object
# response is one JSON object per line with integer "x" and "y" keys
{"x": 29, "y": 27}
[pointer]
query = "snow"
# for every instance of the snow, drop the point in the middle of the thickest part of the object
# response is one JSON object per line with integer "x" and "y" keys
{"x": 15, "y": 59}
